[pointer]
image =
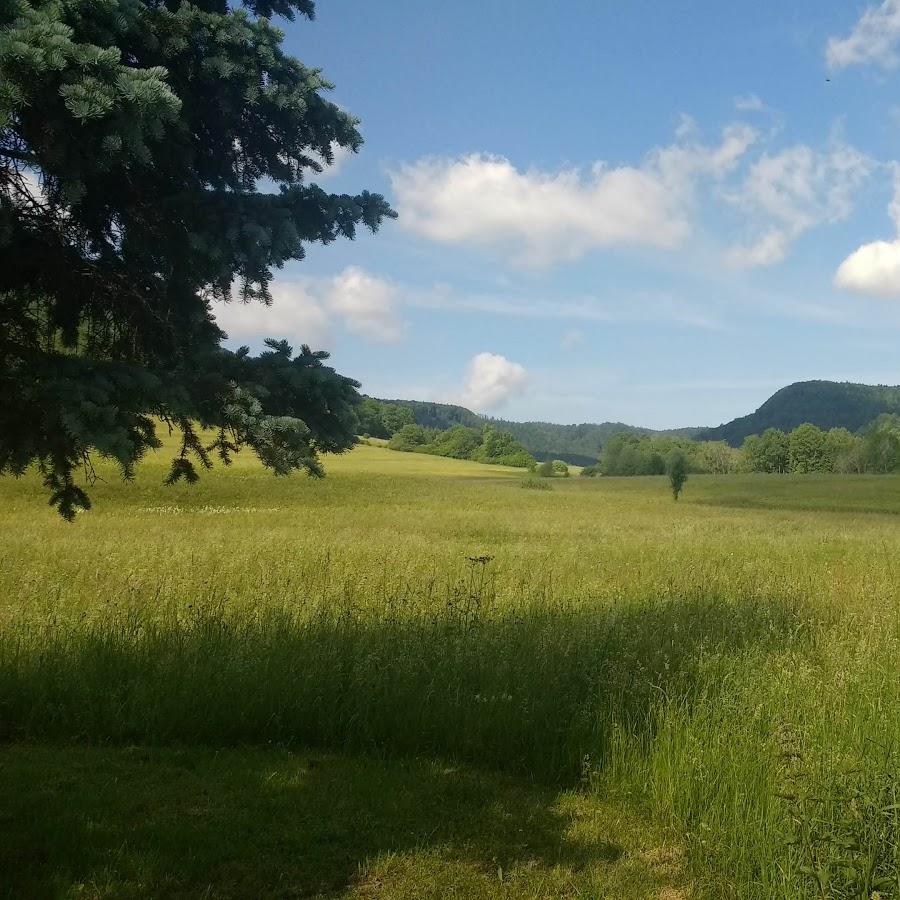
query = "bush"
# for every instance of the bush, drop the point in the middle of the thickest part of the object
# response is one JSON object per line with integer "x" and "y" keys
{"x": 677, "y": 470}
{"x": 535, "y": 484}
{"x": 560, "y": 468}
{"x": 591, "y": 471}
{"x": 544, "y": 469}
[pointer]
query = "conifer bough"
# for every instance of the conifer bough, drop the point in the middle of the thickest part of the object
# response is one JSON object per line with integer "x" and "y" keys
{"x": 133, "y": 138}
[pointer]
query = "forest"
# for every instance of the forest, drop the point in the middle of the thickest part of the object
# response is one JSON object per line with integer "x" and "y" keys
{"x": 805, "y": 449}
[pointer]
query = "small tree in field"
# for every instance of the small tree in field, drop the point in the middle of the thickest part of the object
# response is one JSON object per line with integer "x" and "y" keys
{"x": 676, "y": 469}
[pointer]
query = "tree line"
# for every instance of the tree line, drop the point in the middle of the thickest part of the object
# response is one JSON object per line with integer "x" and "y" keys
{"x": 577, "y": 445}
{"x": 828, "y": 404}
{"x": 485, "y": 444}
{"x": 803, "y": 450}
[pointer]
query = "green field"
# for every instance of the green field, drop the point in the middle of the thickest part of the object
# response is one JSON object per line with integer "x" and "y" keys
{"x": 414, "y": 678}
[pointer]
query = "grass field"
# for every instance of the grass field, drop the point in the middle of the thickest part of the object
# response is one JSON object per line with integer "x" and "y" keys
{"x": 415, "y": 678}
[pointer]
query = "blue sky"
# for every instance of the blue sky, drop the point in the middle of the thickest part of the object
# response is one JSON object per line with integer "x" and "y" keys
{"x": 644, "y": 212}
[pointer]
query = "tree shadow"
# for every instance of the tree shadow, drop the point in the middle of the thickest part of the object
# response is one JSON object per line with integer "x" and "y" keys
{"x": 166, "y": 822}
{"x": 534, "y": 689}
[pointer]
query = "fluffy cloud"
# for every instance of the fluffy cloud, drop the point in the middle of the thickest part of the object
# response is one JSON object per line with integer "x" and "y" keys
{"x": 767, "y": 250}
{"x": 872, "y": 269}
{"x": 296, "y": 314}
{"x": 875, "y": 268}
{"x": 309, "y": 311}
{"x": 491, "y": 380}
{"x": 794, "y": 191}
{"x": 540, "y": 217}
{"x": 873, "y": 39}
{"x": 366, "y": 304}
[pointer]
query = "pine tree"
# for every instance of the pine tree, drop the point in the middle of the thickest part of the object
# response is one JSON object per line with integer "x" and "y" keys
{"x": 134, "y": 137}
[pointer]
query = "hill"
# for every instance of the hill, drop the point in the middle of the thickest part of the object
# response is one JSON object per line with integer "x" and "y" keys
{"x": 578, "y": 445}
{"x": 828, "y": 404}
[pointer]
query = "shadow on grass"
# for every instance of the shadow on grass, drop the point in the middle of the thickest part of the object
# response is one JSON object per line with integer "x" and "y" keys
{"x": 539, "y": 690}
{"x": 123, "y": 822}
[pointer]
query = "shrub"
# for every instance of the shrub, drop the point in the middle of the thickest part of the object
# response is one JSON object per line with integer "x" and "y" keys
{"x": 560, "y": 468}
{"x": 535, "y": 484}
{"x": 677, "y": 469}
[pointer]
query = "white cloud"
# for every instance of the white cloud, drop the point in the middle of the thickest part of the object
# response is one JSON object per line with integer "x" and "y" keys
{"x": 749, "y": 103}
{"x": 491, "y": 380}
{"x": 687, "y": 127}
{"x": 875, "y": 268}
{"x": 794, "y": 191}
{"x": 873, "y": 39}
{"x": 308, "y": 311}
{"x": 296, "y": 314}
{"x": 340, "y": 156}
{"x": 872, "y": 269}
{"x": 366, "y": 304}
{"x": 539, "y": 218}
{"x": 767, "y": 250}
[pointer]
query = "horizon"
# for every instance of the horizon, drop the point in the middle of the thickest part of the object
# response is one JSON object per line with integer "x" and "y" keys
{"x": 634, "y": 425}
{"x": 621, "y": 214}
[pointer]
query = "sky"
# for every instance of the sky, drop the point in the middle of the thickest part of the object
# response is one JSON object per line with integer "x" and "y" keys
{"x": 645, "y": 212}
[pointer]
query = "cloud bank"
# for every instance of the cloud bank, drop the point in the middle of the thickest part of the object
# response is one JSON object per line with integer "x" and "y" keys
{"x": 872, "y": 41}
{"x": 790, "y": 193}
{"x": 538, "y": 218}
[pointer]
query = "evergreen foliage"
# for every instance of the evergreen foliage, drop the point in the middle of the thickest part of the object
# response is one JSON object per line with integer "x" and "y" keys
{"x": 133, "y": 139}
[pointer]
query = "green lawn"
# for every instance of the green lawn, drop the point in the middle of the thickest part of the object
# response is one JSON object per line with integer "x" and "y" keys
{"x": 477, "y": 690}
{"x": 152, "y": 822}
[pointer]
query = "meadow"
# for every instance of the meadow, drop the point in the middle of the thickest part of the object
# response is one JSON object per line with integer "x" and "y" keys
{"x": 414, "y": 678}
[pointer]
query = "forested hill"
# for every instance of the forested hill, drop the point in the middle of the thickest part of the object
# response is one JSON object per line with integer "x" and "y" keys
{"x": 576, "y": 444}
{"x": 828, "y": 404}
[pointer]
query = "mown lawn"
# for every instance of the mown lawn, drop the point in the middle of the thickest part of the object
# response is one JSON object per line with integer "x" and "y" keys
{"x": 174, "y": 822}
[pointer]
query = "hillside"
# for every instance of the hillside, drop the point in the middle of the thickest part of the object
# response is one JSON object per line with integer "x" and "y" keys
{"x": 828, "y": 404}
{"x": 576, "y": 444}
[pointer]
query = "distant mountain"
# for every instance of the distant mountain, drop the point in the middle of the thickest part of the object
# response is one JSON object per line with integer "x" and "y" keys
{"x": 828, "y": 404}
{"x": 576, "y": 444}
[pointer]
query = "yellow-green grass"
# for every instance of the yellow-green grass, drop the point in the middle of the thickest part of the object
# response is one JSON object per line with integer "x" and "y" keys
{"x": 727, "y": 666}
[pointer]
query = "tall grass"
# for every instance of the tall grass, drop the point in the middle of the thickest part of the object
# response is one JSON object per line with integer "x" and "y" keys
{"x": 732, "y": 664}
